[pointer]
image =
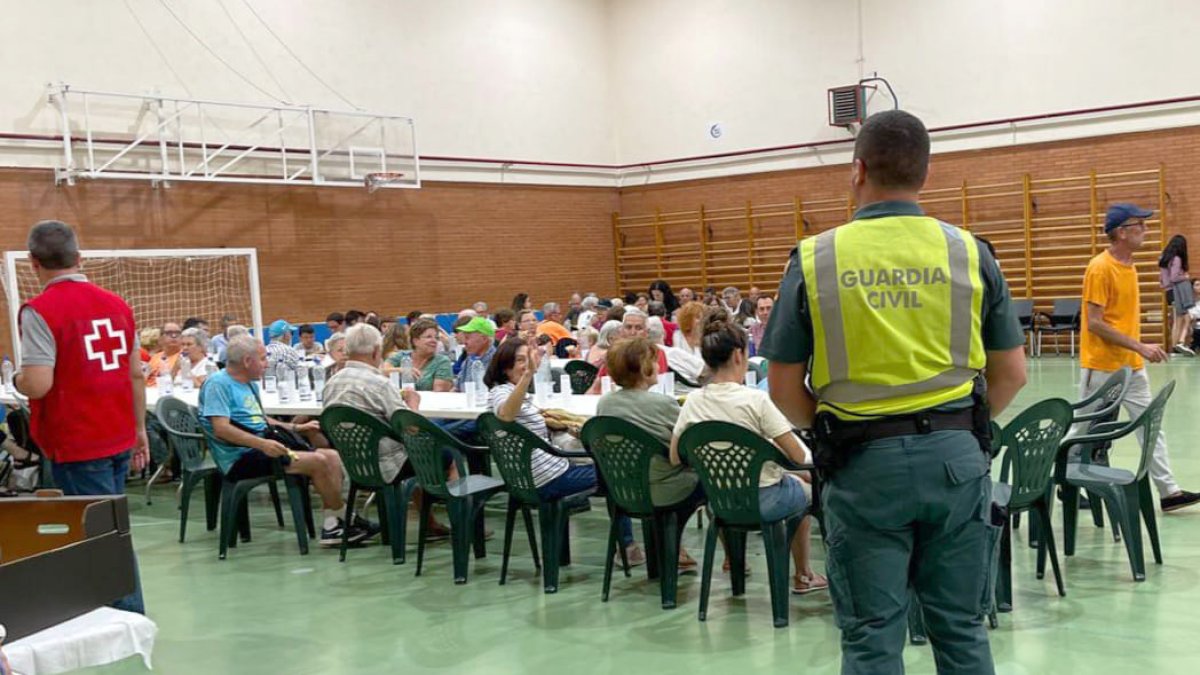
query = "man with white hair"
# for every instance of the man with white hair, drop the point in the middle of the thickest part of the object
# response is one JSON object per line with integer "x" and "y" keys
{"x": 363, "y": 386}
{"x": 633, "y": 325}
{"x": 587, "y": 312}
{"x": 232, "y": 417}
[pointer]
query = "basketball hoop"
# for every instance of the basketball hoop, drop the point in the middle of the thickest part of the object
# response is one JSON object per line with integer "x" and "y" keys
{"x": 374, "y": 181}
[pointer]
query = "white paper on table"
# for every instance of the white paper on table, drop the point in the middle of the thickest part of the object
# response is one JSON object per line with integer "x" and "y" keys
{"x": 102, "y": 636}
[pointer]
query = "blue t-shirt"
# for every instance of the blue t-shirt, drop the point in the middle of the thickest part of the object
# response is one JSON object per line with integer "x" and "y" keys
{"x": 223, "y": 396}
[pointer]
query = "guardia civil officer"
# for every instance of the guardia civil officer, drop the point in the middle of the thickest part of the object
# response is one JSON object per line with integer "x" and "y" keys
{"x": 900, "y": 320}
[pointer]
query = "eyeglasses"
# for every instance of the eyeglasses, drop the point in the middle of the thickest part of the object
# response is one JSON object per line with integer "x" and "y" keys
{"x": 172, "y": 333}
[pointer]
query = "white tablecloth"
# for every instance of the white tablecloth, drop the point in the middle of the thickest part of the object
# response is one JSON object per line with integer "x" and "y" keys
{"x": 105, "y": 635}
{"x": 451, "y": 405}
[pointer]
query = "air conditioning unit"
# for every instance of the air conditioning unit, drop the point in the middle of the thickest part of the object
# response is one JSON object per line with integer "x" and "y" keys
{"x": 847, "y": 105}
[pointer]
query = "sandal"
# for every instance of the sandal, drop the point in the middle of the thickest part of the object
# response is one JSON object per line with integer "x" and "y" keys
{"x": 725, "y": 567}
{"x": 687, "y": 565}
{"x": 802, "y": 585}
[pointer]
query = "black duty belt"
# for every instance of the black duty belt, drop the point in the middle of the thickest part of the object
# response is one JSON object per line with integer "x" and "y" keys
{"x": 841, "y": 433}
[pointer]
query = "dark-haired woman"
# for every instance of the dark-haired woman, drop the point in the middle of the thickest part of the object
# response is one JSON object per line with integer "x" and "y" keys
{"x": 521, "y": 301}
{"x": 725, "y": 398}
{"x": 508, "y": 378}
{"x": 661, "y": 291}
{"x": 1173, "y": 277}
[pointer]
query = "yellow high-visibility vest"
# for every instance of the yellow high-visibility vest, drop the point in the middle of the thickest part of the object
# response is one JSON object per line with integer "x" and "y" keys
{"x": 896, "y": 305}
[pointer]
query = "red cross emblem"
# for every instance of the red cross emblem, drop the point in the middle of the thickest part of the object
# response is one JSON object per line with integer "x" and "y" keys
{"x": 107, "y": 348}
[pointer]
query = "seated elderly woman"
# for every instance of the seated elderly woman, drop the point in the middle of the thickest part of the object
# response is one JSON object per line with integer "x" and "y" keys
{"x": 508, "y": 378}
{"x": 607, "y": 336}
{"x": 335, "y": 354}
{"x": 526, "y": 325}
{"x": 431, "y": 371}
{"x": 633, "y": 364}
{"x": 725, "y": 398}
{"x": 506, "y": 323}
{"x": 691, "y": 327}
{"x": 194, "y": 362}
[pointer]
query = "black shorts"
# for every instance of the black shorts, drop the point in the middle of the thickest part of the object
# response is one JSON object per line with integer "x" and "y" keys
{"x": 252, "y": 464}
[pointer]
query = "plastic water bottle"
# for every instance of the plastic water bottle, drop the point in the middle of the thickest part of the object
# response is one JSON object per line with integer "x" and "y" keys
{"x": 186, "y": 381}
{"x": 585, "y": 343}
{"x": 303, "y": 386}
{"x": 6, "y": 369}
{"x": 269, "y": 381}
{"x": 407, "y": 381}
{"x": 564, "y": 388}
{"x": 394, "y": 378}
{"x": 476, "y": 375}
{"x": 166, "y": 386}
{"x": 319, "y": 383}
{"x": 751, "y": 378}
{"x": 286, "y": 383}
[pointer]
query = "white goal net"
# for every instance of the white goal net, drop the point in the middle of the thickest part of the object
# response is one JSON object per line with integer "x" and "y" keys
{"x": 160, "y": 285}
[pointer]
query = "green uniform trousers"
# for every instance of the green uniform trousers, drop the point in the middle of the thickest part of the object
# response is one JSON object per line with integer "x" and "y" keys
{"x": 911, "y": 512}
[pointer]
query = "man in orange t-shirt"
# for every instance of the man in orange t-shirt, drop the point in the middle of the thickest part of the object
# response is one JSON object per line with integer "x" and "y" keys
{"x": 1112, "y": 335}
{"x": 552, "y": 324}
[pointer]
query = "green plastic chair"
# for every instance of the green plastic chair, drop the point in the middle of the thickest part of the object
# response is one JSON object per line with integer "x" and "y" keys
{"x": 464, "y": 497}
{"x": 1102, "y": 407}
{"x": 185, "y": 437}
{"x": 623, "y": 452}
{"x": 582, "y": 374}
{"x": 728, "y": 459}
{"x": 1030, "y": 444}
{"x": 512, "y": 447}
{"x": 235, "y": 516}
{"x": 356, "y": 435}
{"x": 1127, "y": 494}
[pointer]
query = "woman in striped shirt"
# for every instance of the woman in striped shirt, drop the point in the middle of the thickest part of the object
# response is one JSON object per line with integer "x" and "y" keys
{"x": 508, "y": 377}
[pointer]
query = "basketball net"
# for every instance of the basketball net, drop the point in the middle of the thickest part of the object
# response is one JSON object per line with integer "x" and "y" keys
{"x": 374, "y": 181}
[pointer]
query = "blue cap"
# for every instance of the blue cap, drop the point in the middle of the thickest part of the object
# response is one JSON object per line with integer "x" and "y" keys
{"x": 279, "y": 327}
{"x": 1119, "y": 214}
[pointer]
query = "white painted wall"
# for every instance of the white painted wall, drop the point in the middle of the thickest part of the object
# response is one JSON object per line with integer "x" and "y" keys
{"x": 762, "y": 68}
{"x": 626, "y": 81}
{"x": 497, "y": 78}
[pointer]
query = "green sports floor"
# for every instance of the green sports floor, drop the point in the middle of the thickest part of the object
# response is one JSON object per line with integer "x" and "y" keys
{"x": 268, "y": 610}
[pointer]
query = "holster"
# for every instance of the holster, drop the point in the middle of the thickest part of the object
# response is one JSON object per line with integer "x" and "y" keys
{"x": 836, "y": 440}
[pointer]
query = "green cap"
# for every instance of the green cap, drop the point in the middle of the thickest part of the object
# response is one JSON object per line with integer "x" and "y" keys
{"x": 478, "y": 325}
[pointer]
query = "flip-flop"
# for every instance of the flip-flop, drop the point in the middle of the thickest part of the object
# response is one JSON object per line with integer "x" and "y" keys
{"x": 805, "y": 585}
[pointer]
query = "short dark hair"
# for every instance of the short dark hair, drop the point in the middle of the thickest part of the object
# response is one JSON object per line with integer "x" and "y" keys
{"x": 192, "y": 322}
{"x": 413, "y": 315}
{"x": 894, "y": 146}
{"x": 503, "y": 360}
{"x": 53, "y": 244}
{"x": 307, "y": 329}
{"x": 722, "y": 336}
{"x": 336, "y": 316}
{"x": 616, "y": 313}
{"x": 504, "y": 315}
{"x": 354, "y": 316}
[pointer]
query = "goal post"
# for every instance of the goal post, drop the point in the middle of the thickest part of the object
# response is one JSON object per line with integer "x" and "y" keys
{"x": 160, "y": 285}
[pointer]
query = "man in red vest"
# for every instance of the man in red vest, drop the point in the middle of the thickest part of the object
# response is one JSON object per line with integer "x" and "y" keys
{"x": 87, "y": 398}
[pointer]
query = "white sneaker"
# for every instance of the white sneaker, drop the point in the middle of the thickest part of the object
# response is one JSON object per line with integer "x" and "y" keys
{"x": 1184, "y": 349}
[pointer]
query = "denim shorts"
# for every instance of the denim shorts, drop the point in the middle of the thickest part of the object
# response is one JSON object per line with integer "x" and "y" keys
{"x": 782, "y": 500}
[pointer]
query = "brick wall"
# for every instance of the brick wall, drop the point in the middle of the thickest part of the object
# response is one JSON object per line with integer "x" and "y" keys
{"x": 1175, "y": 149}
{"x": 446, "y": 245}
{"x": 439, "y": 248}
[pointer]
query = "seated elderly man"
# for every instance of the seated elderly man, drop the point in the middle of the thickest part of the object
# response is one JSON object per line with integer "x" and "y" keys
{"x": 279, "y": 349}
{"x": 362, "y": 385}
{"x": 633, "y": 325}
{"x": 552, "y": 323}
{"x": 478, "y": 346}
{"x": 232, "y": 417}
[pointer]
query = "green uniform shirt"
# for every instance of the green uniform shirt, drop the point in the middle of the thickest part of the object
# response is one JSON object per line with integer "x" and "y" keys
{"x": 789, "y": 334}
